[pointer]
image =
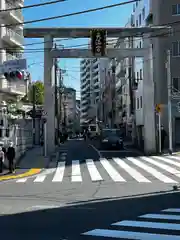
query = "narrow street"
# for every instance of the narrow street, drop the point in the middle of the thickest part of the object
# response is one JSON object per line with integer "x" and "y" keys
{"x": 85, "y": 192}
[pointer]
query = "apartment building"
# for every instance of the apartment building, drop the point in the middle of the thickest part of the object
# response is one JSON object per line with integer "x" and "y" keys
{"x": 93, "y": 73}
{"x": 85, "y": 88}
{"x": 155, "y": 91}
{"x": 11, "y": 43}
{"x": 68, "y": 108}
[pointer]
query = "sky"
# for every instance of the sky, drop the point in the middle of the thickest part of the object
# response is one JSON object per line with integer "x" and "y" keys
{"x": 114, "y": 17}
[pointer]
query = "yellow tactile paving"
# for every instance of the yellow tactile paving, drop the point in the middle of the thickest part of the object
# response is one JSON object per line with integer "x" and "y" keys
{"x": 30, "y": 172}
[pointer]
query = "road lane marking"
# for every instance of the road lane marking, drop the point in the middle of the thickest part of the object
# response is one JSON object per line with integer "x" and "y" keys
{"x": 133, "y": 172}
{"x": 174, "y": 157}
{"x": 22, "y": 180}
{"x": 30, "y": 172}
{"x": 116, "y": 177}
{"x": 94, "y": 174}
{"x": 161, "y": 216}
{"x": 130, "y": 235}
{"x": 143, "y": 224}
{"x": 176, "y": 210}
{"x": 76, "y": 171}
{"x": 163, "y": 166}
{"x": 172, "y": 162}
{"x": 59, "y": 174}
{"x": 40, "y": 178}
{"x": 151, "y": 170}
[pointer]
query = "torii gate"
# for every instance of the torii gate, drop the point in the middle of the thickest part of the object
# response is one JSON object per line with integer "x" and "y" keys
{"x": 146, "y": 52}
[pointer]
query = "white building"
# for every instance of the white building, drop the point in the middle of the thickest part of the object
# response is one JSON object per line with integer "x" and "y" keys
{"x": 69, "y": 107}
{"x": 93, "y": 72}
{"x": 11, "y": 43}
{"x": 85, "y": 82}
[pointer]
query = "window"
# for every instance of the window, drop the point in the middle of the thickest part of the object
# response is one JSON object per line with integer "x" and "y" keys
{"x": 136, "y": 23}
{"x": 140, "y": 101}
{"x": 137, "y": 74}
{"x": 137, "y": 103}
{"x": 176, "y": 9}
{"x": 176, "y": 84}
{"x": 140, "y": 44}
{"x": 141, "y": 75}
{"x": 176, "y": 49}
{"x": 140, "y": 22}
{"x": 143, "y": 13}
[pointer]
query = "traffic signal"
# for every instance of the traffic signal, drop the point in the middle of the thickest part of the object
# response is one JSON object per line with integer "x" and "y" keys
{"x": 98, "y": 42}
{"x": 13, "y": 75}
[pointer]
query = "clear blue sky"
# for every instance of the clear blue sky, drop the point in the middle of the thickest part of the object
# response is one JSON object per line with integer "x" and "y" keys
{"x": 115, "y": 17}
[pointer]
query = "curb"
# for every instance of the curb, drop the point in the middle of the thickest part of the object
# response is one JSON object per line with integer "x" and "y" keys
{"x": 28, "y": 173}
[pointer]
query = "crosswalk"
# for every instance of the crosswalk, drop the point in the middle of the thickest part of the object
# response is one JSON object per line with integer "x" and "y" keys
{"x": 165, "y": 169}
{"x": 160, "y": 226}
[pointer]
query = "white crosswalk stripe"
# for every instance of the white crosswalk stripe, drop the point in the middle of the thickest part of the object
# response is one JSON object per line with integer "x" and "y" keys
{"x": 111, "y": 171}
{"x": 165, "y": 169}
{"x": 58, "y": 177}
{"x": 139, "y": 229}
{"x": 95, "y": 175}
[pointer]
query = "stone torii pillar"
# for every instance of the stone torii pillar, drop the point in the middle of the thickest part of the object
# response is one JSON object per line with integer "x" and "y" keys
{"x": 49, "y": 99}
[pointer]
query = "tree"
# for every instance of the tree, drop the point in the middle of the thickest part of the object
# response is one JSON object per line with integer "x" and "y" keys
{"x": 39, "y": 93}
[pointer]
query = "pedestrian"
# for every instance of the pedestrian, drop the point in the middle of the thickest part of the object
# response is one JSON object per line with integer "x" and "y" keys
{"x": 10, "y": 156}
{"x": 163, "y": 137}
{"x": 1, "y": 159}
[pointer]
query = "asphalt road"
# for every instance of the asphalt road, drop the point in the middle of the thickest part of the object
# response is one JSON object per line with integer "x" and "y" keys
{"x": 67, "y": 209}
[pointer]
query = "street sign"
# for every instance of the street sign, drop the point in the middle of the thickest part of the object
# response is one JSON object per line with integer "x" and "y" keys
{"x": 158, "y": 108}
{"x": 98, "y": 42}
{"x": 13, "y": 65}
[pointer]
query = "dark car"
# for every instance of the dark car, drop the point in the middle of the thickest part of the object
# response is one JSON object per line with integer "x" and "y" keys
{"x": 111, "y": 138}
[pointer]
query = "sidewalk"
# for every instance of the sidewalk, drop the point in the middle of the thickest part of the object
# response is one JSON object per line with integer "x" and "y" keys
{"x": 32, "y": 162}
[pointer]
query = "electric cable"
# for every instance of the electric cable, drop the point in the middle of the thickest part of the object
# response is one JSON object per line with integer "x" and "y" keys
{"x": 32, "y": 6}
{"x": 73, "y": 13}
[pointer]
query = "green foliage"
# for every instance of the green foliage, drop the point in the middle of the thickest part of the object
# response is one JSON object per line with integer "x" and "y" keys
{"x": 39, "y": 93}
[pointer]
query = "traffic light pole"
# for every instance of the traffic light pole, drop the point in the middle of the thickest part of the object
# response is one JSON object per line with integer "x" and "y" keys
{"x": 34, "y": 113}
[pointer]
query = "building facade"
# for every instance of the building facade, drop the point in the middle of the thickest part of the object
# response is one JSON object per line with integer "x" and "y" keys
{"x": 93, "y": 72}
{"x": 11, "y": 44}
{"x": 68, "y": 108}
{"x": 148, "y": 76}
{"x": 85, "y": 88}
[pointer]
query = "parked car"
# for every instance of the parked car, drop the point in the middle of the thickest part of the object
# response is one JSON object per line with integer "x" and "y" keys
{"x": 111, "y": 138}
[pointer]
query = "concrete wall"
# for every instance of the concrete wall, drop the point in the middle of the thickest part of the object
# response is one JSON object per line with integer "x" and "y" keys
{"x": 20, "y": 133}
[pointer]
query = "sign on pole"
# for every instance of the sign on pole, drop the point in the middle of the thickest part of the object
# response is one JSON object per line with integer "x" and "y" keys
{"x": 13, "y": 65}
{"x": 98, "y": 42}
{"x": 158, "y": 108}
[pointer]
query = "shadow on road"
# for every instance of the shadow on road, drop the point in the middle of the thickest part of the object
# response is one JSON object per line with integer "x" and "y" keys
{"x": 69, "y": 221}
{"x": 82, "y": 150}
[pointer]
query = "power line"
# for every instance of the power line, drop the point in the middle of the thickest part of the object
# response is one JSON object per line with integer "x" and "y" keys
{"x": 73, "y": 14}
{"x": 32, "y": 6}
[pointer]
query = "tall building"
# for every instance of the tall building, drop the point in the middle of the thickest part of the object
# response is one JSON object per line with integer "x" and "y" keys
{"x": 93, "y": 73}
{"x": 68, "y": 108}
{"x": 149, "y": 77}
{"x": 11, "y": 43}
{"x": 85, "y": 82}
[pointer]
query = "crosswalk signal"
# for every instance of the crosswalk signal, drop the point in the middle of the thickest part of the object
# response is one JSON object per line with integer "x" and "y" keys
{"x": 98, "y": 42}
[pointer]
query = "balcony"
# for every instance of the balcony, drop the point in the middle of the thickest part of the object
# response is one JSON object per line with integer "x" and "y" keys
{"x": 120, "y": 70}
{"x": 20, "y": 3}
{"x": 13, "y": 38}
{"x": 12, "y": 16}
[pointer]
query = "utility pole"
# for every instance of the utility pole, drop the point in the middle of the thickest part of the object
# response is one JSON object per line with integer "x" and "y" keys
{"x": 34, "y": 113}
{"x": 168, "y": 66}
{"x": 113, "y": 92}
{"x": 60, "y": 101}
{"x": 55, "y": 95}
